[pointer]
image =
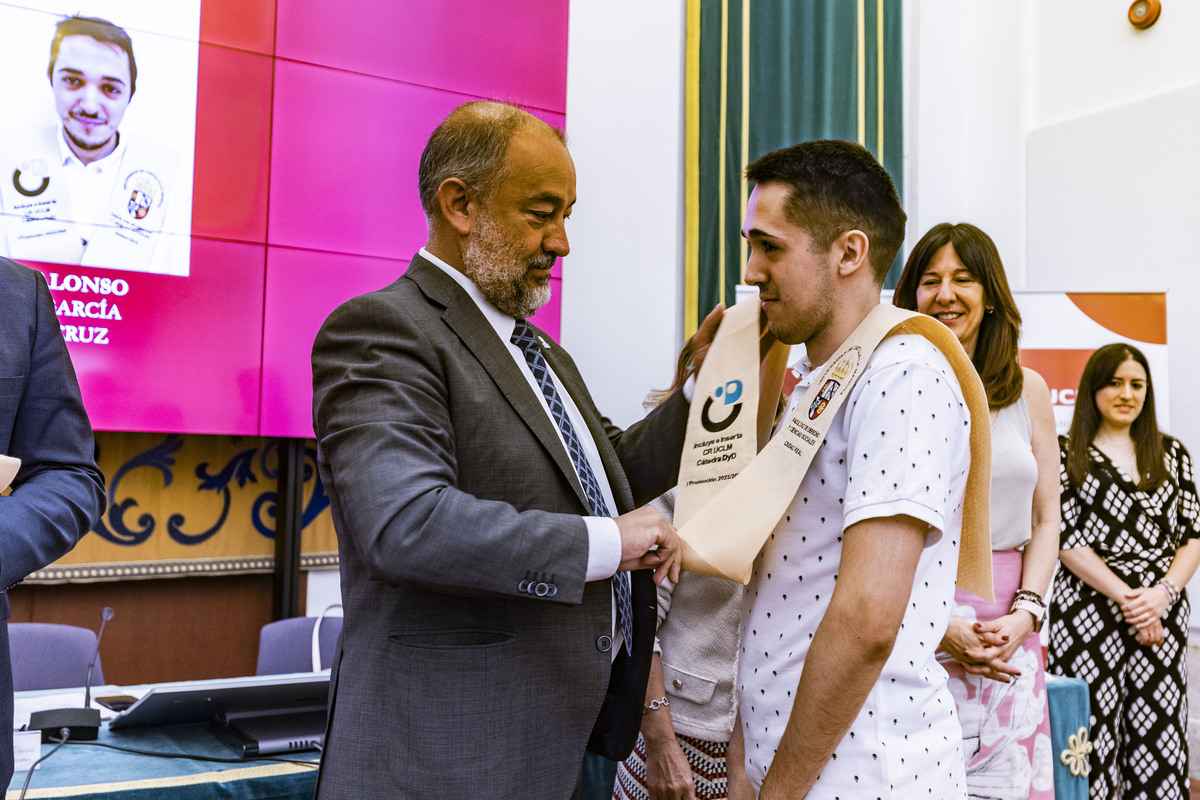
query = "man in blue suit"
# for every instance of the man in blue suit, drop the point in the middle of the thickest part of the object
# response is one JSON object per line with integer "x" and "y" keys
{"x": 58, "y": 493}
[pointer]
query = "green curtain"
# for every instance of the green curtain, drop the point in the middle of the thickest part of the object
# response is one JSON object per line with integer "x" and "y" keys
{"x": 764, "y": 74}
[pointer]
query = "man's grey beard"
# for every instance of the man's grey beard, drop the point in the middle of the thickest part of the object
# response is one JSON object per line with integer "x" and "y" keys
{"x": 489, "y": 261}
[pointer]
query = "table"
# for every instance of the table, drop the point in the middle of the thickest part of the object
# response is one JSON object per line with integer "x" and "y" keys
{"x": 87, "y": 770}
{"x": 1070, "y": 720}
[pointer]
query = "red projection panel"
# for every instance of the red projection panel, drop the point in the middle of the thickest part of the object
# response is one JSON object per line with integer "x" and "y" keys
{"x": 511, "y": 50}
{"x": 294, "y": 315}
{"x": 310, "y": 120}
{"x": 233, "y": 143}
{"x": 178, "y": 354}
{"x": 240, "y": 24}
{"x": 344, "y": 160}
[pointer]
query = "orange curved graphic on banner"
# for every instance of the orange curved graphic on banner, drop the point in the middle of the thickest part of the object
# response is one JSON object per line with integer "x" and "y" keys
{"x": 1141, "y": 317}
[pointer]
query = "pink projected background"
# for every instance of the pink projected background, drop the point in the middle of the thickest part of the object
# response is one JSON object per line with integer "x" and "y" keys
{"x": 311, "y": 117}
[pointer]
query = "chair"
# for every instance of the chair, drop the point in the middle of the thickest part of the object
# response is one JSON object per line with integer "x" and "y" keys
{"x": 47, "y": 656}
{"x": 298, "y": 644}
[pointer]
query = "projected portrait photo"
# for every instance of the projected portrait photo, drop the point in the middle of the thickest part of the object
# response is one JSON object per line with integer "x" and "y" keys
{"x": 97, "y": 141}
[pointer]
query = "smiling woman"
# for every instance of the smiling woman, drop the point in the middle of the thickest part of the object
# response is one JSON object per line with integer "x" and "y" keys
{"x": 1130, "y": 543}
{"x": 992, "y": 651}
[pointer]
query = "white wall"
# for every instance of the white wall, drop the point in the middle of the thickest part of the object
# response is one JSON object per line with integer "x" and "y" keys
{"x": 623, "y": 282}
{"x": 1087, "y": 57}
{"x": 965, "y": 106}
{"x": 323, "y": 590}
{"x": 1113, "y": 167}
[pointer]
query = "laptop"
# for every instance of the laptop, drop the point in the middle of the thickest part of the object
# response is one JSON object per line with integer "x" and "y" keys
{"x": 263, "y": 714}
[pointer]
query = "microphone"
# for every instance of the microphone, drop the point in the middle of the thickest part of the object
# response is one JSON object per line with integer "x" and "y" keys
{"x": 106, "y": 614}
{"x": 82, "y": 724}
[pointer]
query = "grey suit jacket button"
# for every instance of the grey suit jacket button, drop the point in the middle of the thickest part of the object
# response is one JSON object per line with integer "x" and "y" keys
{"x": 604, "y": 644}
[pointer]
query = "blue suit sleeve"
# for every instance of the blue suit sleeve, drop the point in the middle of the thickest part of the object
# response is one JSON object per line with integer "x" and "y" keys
{"x": 58, "y": 494}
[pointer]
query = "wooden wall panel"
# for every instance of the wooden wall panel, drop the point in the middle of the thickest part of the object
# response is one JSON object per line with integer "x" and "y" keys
{"x": 162, "y": 630}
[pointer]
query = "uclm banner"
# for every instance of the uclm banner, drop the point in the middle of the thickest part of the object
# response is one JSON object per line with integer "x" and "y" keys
{"x": 1061, "y": 330}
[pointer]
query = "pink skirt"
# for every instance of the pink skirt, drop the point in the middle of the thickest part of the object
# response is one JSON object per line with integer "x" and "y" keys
{"x": 1006, "y": 726}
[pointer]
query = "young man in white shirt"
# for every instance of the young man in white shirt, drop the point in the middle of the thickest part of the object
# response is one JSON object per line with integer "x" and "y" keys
{"x": 839, "y": 691}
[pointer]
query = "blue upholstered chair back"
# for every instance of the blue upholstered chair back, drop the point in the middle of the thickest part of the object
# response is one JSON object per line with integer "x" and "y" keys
{"x": 47, "y": 656}
{"x": 287, "y": 644}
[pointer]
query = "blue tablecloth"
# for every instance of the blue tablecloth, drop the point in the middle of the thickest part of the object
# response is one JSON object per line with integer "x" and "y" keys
{"x": 1070, "y": 738}
{"x": 83, "y": 770}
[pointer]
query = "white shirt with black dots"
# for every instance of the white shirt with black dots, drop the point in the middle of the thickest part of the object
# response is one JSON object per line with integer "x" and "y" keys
{"x": 899, "y": 445}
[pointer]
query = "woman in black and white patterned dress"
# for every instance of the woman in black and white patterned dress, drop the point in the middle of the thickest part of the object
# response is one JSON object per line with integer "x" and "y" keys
{"x": 1130, "y": 544}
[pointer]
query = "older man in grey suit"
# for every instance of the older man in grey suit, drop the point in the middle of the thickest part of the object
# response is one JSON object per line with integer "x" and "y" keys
{"x": 483, "y": 505}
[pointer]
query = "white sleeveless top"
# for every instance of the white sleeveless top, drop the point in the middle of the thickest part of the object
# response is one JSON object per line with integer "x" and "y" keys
{"x": 1014, "y": 475}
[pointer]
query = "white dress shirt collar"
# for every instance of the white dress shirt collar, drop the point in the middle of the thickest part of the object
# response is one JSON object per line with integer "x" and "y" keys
{"x": 503, "y": 323}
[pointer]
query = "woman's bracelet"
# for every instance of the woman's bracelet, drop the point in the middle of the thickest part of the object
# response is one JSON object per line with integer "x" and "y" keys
{"x": 1026, "y": 600}
{"x": 1168, "y": 585}
{"x": 655, "y": 705}
{"x": 1031, "y": 596}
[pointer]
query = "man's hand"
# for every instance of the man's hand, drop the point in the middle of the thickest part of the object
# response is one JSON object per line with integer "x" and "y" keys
{"x": 648, "y": 541}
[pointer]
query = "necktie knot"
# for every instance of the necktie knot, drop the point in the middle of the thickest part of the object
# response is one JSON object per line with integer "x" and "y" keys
{"x": 522, "y": 336}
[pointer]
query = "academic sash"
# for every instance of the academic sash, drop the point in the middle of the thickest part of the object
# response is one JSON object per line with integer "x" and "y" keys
{"x": 730, "y": 498}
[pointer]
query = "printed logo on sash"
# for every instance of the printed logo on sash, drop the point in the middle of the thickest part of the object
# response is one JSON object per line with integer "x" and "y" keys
{"x": 145, "y": 192}
{"x": 25, "y": 177}
{"x": 842, "y": 370}
{"x": 732, "y": 392}
{"x": 139, "y": 204}
{"x": 826, "y": 394}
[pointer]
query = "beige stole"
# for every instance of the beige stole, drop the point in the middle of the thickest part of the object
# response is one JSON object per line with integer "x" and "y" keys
{"x": 731, "y": 496}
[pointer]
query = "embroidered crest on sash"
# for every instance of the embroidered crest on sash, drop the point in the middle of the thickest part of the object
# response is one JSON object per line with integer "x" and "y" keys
{"x": 823, "y": 397}
{"x": 842, "y": 370}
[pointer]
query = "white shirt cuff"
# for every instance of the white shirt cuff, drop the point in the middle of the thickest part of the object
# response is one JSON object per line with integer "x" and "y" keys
{"x": 604, "y": 547}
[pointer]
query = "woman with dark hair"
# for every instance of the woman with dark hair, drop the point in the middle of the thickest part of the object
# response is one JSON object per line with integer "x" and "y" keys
{"x": 1131, "y": 523}
{"x": 992, "y": 650}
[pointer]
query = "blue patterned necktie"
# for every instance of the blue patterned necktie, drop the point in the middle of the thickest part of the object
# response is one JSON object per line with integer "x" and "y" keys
{"x": 523, "y": 338}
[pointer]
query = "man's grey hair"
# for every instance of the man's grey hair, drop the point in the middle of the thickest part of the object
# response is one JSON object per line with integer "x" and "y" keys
{"x": 470, "y": 145}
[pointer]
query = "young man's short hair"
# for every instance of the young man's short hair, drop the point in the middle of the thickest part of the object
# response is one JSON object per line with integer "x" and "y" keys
{"x": 835, "y": 187}
{"x": 102, "y": 31}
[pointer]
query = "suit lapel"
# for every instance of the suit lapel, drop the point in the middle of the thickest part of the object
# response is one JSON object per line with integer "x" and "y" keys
{"x": 463, "y": 317}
